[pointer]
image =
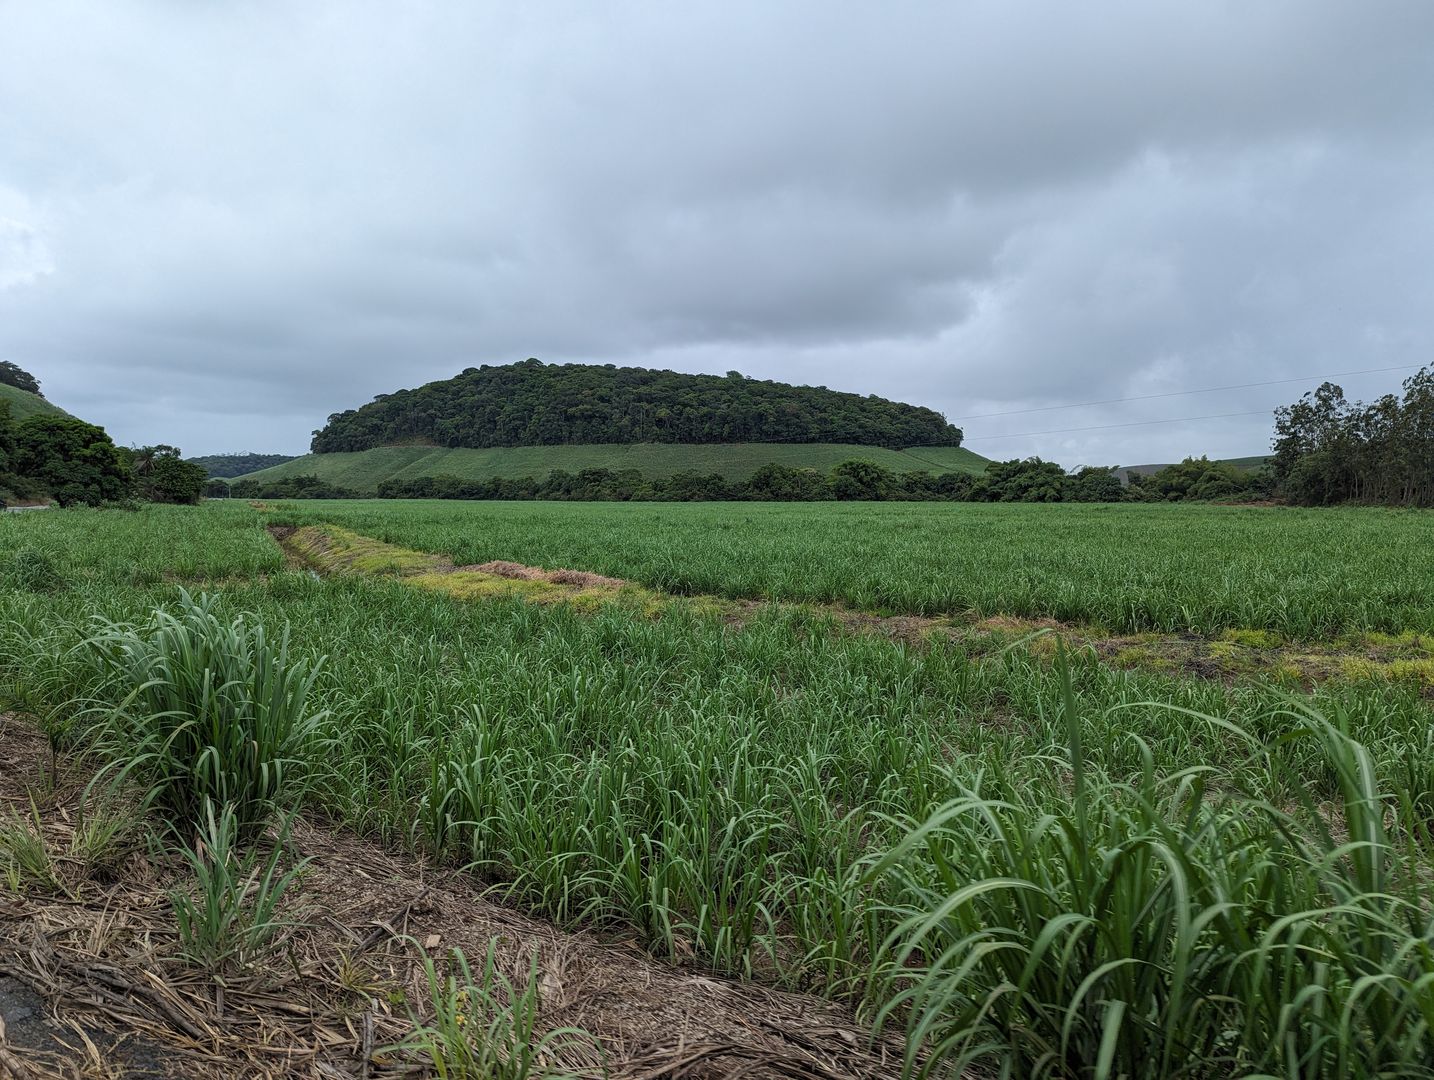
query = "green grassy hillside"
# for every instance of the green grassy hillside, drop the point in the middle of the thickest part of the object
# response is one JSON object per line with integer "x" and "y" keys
{"x": 25, "y": 404}
{"x": 365, "y": 470}
{"x": 1255, "y": 461}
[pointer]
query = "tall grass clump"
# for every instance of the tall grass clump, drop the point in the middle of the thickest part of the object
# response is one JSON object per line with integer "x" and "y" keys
{"x": 25, "y": 859}
{"x": 232, "y": 918}
{"x": 30, "y": 569}
{"x": 1146, "y": 929}
{"x": 204, "y": 710}
{"x": 484, "y": 1026}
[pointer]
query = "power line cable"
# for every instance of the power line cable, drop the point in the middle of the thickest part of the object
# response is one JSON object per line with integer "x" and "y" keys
{"x": 1183, "y": 393}
{"x": 1107, "y": 427}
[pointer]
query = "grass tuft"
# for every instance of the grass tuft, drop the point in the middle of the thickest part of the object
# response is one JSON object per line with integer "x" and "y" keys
{"x": 483, "y": 1026}
{"x": 232, "y": 920}
{"x": 205, "y": 711}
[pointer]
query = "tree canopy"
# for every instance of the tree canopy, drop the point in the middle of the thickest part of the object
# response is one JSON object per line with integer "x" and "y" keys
{"x": 227, "y": 465}
{"x": 75, "y": 462}
{"x": 18, "y": 377}
{"x": 536, "y": 404}
{"x": 1200, "y": 479}
{"x": 161, "y": 475}
{"x": 1329, "y": 450}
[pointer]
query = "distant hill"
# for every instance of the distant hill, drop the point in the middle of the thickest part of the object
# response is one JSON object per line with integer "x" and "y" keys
{"x": 363, "y": 471}
{"x": 25, "y": 404}
{"x": 535, "y": 404}
{"x": 1251, "y": 463}
{"x": 228, "y": 465}
{"x": 1255, "y": 461}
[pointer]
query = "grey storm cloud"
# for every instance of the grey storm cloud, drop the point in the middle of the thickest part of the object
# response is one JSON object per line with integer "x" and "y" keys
{"x": 219, "y": 223}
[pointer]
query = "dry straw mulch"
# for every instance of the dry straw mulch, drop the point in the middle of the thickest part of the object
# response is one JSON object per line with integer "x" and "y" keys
{"x": 92, "y": 966}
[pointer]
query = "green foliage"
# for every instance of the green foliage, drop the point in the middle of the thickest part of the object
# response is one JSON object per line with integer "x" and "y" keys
{"x": 31, "y": 569}
{"x": 204, "y": 711}
{"x": 8, "y": 478}
{"x": 104, "y": 833}
{"x": 1146, "y": 928}
{"x": 13, "y": 375}
{"x": 1202, "y": 479}
{"x": 232, "y": 921}
{"x": 291, "y": 487}
{"x": 785, "y": 483}
{"x": 161, "y": 475}
{"x": 226, "y": 466}
{"x": 535, "y": 404}
{"x": 1328, "y": 450}
{"x": 1028, "y": 480}
{"x": 861, "y": 480}
{"x": 693, "y": 487}
{"x": 856, "y": 479}
{"x": 12, "y": 484}
{"x": 74, "y": 461}
{"x": 1094, "y": 483}
{"x": 26, "y": 861}
{"x": 483, "y": 1027}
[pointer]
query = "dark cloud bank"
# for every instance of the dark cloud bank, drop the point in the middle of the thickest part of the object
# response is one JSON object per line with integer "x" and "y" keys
{"x": 218, "y": 223}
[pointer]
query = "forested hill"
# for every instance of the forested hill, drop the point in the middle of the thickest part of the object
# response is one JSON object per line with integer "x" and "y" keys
{"x": 536, "y": 404}
{"x": 229, "y": 465}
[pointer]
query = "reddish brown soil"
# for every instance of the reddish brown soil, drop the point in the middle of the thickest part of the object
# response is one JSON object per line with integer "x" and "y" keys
{"x": 519, "y": 572}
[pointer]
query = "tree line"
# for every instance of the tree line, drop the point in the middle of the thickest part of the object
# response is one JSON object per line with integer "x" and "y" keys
{"x": 1018, "y": 480}
{"x": 537, "y": 404}
{"x": 1328, "y": 450}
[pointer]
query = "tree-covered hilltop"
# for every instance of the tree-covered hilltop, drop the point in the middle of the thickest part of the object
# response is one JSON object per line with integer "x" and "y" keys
{"x": 19, "y": 378}
{"x": 536, "y": 404}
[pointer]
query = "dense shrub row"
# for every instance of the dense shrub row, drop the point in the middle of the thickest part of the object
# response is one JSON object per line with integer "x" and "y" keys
{"x": 1019, "y": 480}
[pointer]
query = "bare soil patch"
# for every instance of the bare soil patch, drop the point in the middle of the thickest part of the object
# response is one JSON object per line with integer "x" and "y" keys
{"x": 517, "y": 571}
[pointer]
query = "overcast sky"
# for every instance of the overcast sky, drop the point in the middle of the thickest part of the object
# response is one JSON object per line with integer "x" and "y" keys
{"x": 220, "y": 222}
